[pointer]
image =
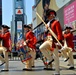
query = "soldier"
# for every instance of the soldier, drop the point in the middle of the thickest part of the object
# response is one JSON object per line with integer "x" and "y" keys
{"x": 56, "y": 28}
{"x": 68, "y": 36}
{"x": 30, "y": 40}
{"x": 6, "y": 45}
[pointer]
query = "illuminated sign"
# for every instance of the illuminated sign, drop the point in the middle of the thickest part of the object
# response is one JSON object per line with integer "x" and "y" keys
{"x": 19, "y": 25}
{"x": 70, "y": 15}
{"x": 19, "y": 11}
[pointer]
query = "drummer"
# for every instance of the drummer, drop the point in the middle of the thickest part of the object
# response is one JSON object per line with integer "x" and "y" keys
{"x": 31, "y": 42}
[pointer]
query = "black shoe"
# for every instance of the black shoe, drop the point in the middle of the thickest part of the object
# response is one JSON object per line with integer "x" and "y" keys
{"x": 4, "y": 70}
{"x": 2, "y": 64}
{"x": 66, "y": 59}
{"x": 68, "y": 64}
{"x": 48, "y": 69}
{"x": 71, "y": 68}
{"x": 33, "y": 66}
{"x": 50, "y": 61}
{"x": 25, "y": 69}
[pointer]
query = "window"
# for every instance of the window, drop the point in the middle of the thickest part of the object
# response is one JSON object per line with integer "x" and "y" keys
{"x": 19, "y": 0}
{"x": 19, "y": 4}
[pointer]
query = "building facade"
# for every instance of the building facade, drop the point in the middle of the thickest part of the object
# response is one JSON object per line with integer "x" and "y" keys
{"x": 19, "y": 12}
{"x": 18, "y": 19}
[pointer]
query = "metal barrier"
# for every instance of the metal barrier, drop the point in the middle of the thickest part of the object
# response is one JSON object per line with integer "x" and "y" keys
{"x": 13, "y": 56}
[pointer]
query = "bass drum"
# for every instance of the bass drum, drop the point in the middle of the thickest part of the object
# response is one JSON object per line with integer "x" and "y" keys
{"x": 24, "y": 55}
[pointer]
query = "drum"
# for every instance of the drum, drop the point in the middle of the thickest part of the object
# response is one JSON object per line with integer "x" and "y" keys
{"x": 23, "y": 51}
{"x": 24, "y": 54}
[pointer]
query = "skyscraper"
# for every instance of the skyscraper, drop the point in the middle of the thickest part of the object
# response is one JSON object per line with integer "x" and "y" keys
{"x": 19, "y": 15}
{"x": 18, "y": 19}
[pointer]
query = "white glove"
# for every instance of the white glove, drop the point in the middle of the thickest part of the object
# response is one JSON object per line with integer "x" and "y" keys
{"x": 24, "y": 43}
{"x": 57, "y": 44}
{"x": 63, "y": 32}
{"x": 63, "y": 48}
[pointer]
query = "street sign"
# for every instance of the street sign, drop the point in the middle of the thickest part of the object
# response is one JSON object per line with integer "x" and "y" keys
{"x": 19, "y": 11}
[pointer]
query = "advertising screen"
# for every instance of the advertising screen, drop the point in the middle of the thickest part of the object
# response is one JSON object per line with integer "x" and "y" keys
{"x": 70, "y": 15}
{"x": 19, "y": 25}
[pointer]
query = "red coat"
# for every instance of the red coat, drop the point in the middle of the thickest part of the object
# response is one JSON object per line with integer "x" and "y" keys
{"x": 6, "y": 39}
{"x": 32, "y": 39}
{"x": 56, "y": 28}
{"x": 69, "y": 40}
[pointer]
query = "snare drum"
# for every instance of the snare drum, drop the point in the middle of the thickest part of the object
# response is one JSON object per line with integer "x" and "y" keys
{"x": 24, "y": 54}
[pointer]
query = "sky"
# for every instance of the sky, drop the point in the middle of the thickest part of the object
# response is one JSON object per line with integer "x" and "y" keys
{"x": 7, "y": 11}
{"x": 29, "y": 4}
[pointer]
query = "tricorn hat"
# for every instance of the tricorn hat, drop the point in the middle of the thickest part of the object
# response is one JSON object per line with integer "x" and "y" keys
{"x": 50, "y": 11}
{"x": 26, "y": 26}
{"x": 68, "y": 28}
{"x": 5, "y": 26}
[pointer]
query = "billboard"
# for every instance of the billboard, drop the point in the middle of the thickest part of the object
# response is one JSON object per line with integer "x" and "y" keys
{"x": 19, "y": 11}
{"x": 52, "y": 4}
{"x": 70, "y": 15}
{"x": 19, "y": 4}
{"x": 61, "y": 3}
{"x": 19, "y": 25}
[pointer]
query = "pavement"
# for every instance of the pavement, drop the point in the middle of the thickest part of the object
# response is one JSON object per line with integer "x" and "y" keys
{"x": 15, "y": 68}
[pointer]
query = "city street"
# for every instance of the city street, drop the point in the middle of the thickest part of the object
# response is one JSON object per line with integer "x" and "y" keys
{"x": 30, "y": 29}
{"x": 16, "y": 69}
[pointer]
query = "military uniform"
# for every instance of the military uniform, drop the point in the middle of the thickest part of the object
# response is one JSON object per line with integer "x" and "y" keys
{"x": 56, "y": 28}
{"x": 6, "y": 45}
{"x": 31, "y": 47}
{"x": 68, "y": 36}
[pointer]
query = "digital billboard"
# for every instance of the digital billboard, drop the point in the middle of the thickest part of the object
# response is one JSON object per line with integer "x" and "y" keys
{"x": 70, "y": 15}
